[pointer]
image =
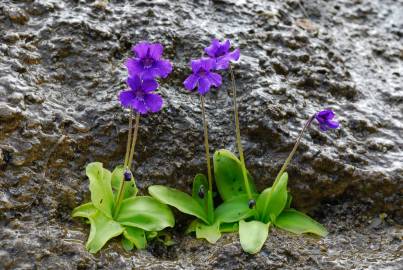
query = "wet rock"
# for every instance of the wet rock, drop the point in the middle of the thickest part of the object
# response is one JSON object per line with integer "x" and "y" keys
{"x": 62, "y": 66}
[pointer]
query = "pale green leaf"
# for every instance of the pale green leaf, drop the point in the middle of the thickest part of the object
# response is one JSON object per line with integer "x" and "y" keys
{"x": 146, "y": 213}
{"x": 102, "y": 230}
{"x": 151, "y": 235}
{"x": 84, "y": 210}
{"x": 293, "y": 221}
{"x": 127, "y": 244}
{"x": 137, "y": 236}
{"x": 229, "y": 227}
{"x": 289, "y": 201}
{"x": 178, "y": 199}
{"x": 199, "y": 181}
{"x": 253, "y": 235}
{"x": 192, "y": 226}
{"x": 233, "y": 210}
{"x": 272, "y": 201}
{"x": 100, "y": 187}
{"x": 129, "y": 188}
{"x": 228, "y": 175}
{"x": 209, "y": 232}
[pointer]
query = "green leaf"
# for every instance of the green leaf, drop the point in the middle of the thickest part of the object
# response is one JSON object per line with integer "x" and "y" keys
{"x": 272, "y": 201}
{"x": 146, "y": 213}
{"x": 178, "y": 199}
{"x": 293, "y": 221}
{"x": 100, "y": 187}
{"x": 229, "y": 227}
{"x": 136, "y": 236}
{"x": 129, "y": 189}
{"x": 84, "y": 210}
{"x": 252, "y": 235}
{"x": 127, "y": 244}
{"x": 233, "y": 210}
{"x": 102, "y": 230}
{"x": 151, "y": 235}
{"x": 210, "y": 207}
{"x": 192, "y": 226}
{"x": 209, "y": 232}
{"x": 289, "y": 200}
{"x": 199, "y": 181}
{"x": 228, "y": 175}
{"x": 206, "y": 202}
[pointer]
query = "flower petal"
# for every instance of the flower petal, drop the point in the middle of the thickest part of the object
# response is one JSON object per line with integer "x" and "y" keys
{"x": 153, "y": 102}
{"x": 134, "y": 67}
{"x": 212, "y": 49}
{"x": 204, "y": 85}
{"x": 141, "y": 49}
{"x": 196, "y": 65}
{"x": 214, "y": 78}
{"x": 155, "y": 51}
{"x": 149, "y": 74}
{"x": 207, "y": 63}
{"x": 325, "y": 114}
{"x": 225, "y": 46}
{"x": 134, "y": 82}
{"x": 126, "y": 98}
{"x": 191, "y": 81}
{"x": 162, "y": 68}
{"x": 139, "y": 105}
{"x": 234, "y": 56}
{"x": 333, "y": 124}
{"x": 149, "y": 85}
{"x": 223, "y": 61}
{"x": 323, "y": 127}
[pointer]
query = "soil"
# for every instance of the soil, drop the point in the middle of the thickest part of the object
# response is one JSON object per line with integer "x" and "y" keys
{"x": 61, "y": 69}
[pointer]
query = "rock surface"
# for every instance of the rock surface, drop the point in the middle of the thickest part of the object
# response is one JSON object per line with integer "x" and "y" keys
{"x": 61, "y": 68}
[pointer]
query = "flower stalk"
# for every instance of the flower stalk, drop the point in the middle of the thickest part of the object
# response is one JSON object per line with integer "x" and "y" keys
{"x": 136, "y": 129}
{"x": 290, "y": 156}
{"x": 131, "y": 142}
{"x": 238, "y": 136}
{"x": 206, "y": 144}
{"x": 129, "y": 138}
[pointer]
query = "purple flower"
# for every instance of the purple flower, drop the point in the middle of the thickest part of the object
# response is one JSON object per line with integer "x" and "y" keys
{"x": 325, "y": 120}
{"x": 148, "y": 63}
{"x": 220, "y": 52}
{"x": 202, "y": 76}
{"x": 139, "y": 96}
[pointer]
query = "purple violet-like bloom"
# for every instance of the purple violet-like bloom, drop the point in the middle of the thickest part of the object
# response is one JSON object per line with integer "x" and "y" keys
{"x": 202, "y": 76}
{"x": 325, "y": 120}
{"x": 139, "y": 96}
{"x": 220, "y": 52}
{"x": 148, "y": 63}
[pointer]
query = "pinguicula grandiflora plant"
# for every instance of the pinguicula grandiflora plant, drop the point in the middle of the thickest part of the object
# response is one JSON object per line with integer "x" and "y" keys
{"x": 235, "y": 184}
{"x": 115, "y": 208}
{"x": 211, "y": 221}
{"x": 273, "y": 205}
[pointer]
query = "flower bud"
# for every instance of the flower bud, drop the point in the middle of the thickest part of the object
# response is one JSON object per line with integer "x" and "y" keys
{"x": 127, "y": 176}
{"x": 201, "y": 192}
{"x": 251, "y": 204}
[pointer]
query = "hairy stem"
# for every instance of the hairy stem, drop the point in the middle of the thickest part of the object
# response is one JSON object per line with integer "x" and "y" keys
{"x": 238, "y": 137}
{"x": 129, "y": 138}
{"x": 206, "y": 145}
{"x": 128, "y": 165}
{"x": 136, "y": 129}
{"x": 284, "y": 167}
{"x": 290, "y": 156}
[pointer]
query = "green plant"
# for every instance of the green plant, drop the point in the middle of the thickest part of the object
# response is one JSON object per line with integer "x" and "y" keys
{"x": 137, "y": 218}
{"x": 210, "y": 222}
{"x": 272, "y": 205}
{"x": 115, "y": 208}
